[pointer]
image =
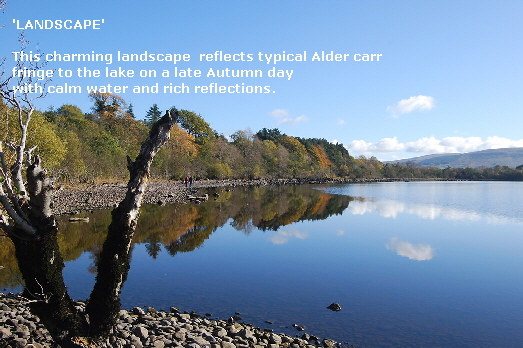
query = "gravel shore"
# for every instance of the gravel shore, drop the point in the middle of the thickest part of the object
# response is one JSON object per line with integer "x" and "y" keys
{"x": 151, "y": 328}
{"x": 87, "y": 197}
{"x": 108, "y": 195}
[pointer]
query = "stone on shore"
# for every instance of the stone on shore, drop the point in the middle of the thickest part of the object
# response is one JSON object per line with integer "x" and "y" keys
{"x": 151, "y": 328}
{"x": 86, "y": 197}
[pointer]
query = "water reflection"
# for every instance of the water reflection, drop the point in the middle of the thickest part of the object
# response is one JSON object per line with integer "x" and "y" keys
{"x": 283, "y": 236}
{"x": 181, "y": 228}
{"x": 464, "y": 201}
{"x": 419, "y": 252}
{"x": 392, "y": 209}
{"x": 360, "y": 257}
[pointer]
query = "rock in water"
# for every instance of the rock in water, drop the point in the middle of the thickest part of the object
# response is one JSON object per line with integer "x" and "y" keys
{"x": 334, "y": 307}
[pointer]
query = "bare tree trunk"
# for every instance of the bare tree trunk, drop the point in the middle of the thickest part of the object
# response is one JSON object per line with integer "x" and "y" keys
{"x": 104, "y": 302}
{"x": 41, "y": 263}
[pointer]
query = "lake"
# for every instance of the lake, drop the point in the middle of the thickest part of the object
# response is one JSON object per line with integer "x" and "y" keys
{"x": 432, "y": 264}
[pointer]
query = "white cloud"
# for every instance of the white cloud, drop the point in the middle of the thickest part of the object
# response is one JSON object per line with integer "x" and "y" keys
{"x": 295, "y": 120}
{"x": 404, "y": 106}
{"x": 460, "y": 144}
{"x": 425, "y": 145}
{"x": 341, "y": 122}
{"x": 500, "y": 143}
{"x": 293, "y": 233}
{"x": 389, "y": 145}
{"x": 419, "y": 252}
{"x": 432, "y": 145}
{"x": 384, "y": 145}
{"x": 281, "y": 115}
{"x": 278, "y": 113}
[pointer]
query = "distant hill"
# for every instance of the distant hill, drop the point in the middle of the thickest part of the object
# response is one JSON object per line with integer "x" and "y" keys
{"x": 511, "y": 157}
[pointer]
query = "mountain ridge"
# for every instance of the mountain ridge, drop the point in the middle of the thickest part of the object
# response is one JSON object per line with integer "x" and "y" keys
{"x": 511, "y": 157}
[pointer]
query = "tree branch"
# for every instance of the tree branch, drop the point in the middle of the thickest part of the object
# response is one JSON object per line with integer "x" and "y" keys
{"x": 30, "y": 232}
{"x": 6, "y": 180}
{"x": 22, "y": 101}
{"x": 40, "y": 188}
{"x": 4, "y": 225}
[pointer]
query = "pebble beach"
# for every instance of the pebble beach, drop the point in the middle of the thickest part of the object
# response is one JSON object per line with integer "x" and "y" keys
{"x": 148, "y": 327}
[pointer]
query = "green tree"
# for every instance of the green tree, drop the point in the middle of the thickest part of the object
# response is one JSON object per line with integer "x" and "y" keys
{"x": 219, "y": 171}
{"x": 101, "y": 144}
{"x": 41, "y": 136}
{"x": 196, "y": 126}
{"x": 270, "y": 134}
{"x": 130, "y": 110}
{"x": 218, "y": 153}
{"x": 270, "y": 158}
{"x": 70, "y": 112}
{"x": 250, "y": 148}
{"x": 153, "y": 115}
{"x": 297, "y": 155}
{"x": 108, "y": 105}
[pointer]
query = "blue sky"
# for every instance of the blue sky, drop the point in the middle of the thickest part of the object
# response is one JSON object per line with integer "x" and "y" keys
{"x": 449, "y": 78}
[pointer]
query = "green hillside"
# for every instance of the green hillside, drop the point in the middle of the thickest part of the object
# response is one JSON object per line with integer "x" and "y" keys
{"x": 511, "y": 157}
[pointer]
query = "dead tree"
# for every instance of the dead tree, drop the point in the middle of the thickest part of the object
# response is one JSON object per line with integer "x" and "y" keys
{"x": 104, "y": 302}
{"x": 26, "y": 217}
{"x": 33, "y": 229}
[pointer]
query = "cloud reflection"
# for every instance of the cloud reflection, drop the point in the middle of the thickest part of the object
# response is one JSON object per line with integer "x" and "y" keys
{"x": 419, "y": 252}
{"x": 283, "y": 236}
{"x": 391, "y": 209}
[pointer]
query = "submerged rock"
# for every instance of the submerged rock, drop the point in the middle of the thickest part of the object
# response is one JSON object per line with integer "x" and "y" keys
{"x": 334, "y": 307}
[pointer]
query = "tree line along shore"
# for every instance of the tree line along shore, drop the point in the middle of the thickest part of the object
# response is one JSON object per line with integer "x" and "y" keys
{"x": 91, "y": 147}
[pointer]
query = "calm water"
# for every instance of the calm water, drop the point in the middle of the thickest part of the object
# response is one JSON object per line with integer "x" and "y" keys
{"x": 412, "y": 264}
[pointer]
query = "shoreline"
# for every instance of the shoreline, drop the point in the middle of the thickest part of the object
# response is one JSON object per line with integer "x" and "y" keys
{"x": 83, "y": 197}
{"x": 153, "y": 328}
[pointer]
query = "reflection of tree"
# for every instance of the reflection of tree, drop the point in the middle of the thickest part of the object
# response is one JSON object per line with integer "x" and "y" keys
{"x": 248, "y": 228}
{"x": 242, "y": 220}
{"x": 95, "y": 250}
{"x": 190, "y": 240}
{"x": 302, "y": 205}
{"x": 335, "y": 205}
{"x": 10, "y": 275}
{"x": 153, "y": 248}
{"x": 266, "y": 208}
{"x": 184, "y": 227}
